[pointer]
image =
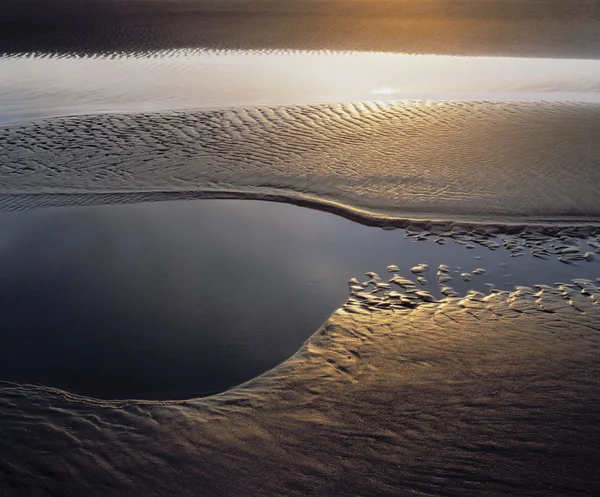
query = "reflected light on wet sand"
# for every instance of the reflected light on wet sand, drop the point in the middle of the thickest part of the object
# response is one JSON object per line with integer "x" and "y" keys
{"x": 38, "y": 86}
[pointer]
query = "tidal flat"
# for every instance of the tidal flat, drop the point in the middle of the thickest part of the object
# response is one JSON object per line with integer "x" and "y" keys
{"x": 183, "y": 299}
{"x": 299, "y": 248}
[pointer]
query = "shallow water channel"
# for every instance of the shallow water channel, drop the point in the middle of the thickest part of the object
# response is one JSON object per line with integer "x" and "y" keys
{"x": 42, "y": 85}
{"x": 181, "y": 299}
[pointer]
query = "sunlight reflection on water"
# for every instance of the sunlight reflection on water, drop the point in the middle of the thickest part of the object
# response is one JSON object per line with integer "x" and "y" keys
{"x": 41, "y": 85}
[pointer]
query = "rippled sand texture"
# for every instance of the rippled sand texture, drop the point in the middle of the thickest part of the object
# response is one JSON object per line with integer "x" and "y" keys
{"x": 555, "y": 28}
{"x": 480, "y": 160}
{"x": 494, "y": 395}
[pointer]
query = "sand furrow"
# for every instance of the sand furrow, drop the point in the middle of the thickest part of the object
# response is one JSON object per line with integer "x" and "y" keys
{"x": 483, "y": 160}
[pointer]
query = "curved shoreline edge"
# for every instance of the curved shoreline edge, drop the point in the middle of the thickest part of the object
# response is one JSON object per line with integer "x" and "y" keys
{"x": 219, "y": 146}
{"x": 523, "y": 362}
{"x": 390, "y": 303}
{"x": 498, "y": 224}
{"x": 517, "y": 301}
{"x": 475, "y": 163}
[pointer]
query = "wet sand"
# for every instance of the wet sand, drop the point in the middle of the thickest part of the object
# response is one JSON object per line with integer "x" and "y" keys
{"x": 494, "y": 395}
{"x": 381, "y": 163}
{"x": 545, "y": 28}
{"x": 401, "y": 391}
{"x": 398, "y": 393}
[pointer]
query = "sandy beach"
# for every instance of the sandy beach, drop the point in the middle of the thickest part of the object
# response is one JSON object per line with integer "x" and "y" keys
{"x": 157, "y": 341}
{"x": 493, "y": 396}
{"x": 384, "y": 163}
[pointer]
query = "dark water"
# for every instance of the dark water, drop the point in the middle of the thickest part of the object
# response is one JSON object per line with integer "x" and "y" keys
{"x": 183, "y": 299}
{"x": 525, "y": 28}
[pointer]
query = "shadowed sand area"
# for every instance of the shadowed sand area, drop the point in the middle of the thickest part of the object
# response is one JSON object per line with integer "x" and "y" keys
{"x": 548, "y": 28}
{"x": 497, "y": 162}
{"x": 484, "y": 395}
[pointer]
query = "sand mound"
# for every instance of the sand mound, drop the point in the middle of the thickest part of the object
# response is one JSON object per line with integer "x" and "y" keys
{"x": 504, "y": 162}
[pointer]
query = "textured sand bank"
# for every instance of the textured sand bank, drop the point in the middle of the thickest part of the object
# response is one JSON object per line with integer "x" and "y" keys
{"x": 550, "y": 28}
{"x": 484, "y": 395}
{"x": 379, "y": 162}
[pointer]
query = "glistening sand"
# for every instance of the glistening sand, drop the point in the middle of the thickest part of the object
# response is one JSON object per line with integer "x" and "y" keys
{"x": 493, "y": 395}
{"x": 400, "y": 392}
{"x": 174, "y": 300}
{"x": 490, "y": 162}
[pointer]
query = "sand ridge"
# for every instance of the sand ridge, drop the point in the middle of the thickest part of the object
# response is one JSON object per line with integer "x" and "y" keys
{"x": 372, "y": 160}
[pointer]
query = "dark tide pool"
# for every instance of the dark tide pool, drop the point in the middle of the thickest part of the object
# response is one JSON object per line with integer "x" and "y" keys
{"x": 182, "y": 299}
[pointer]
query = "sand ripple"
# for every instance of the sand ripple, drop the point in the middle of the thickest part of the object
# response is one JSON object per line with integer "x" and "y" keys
{"x": 446, "y": 160}
{"x": 398, "y": 393}
{"x": 492, "y": 393}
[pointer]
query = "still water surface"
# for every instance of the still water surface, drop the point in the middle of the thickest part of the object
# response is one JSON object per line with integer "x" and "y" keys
{"x": 181, "y": 299}
{"x": 42, "y": 85}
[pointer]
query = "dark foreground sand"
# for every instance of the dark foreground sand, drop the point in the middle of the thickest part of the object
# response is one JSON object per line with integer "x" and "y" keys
{"x": 547, "y": 28}
{"x": 495, "y": 395}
